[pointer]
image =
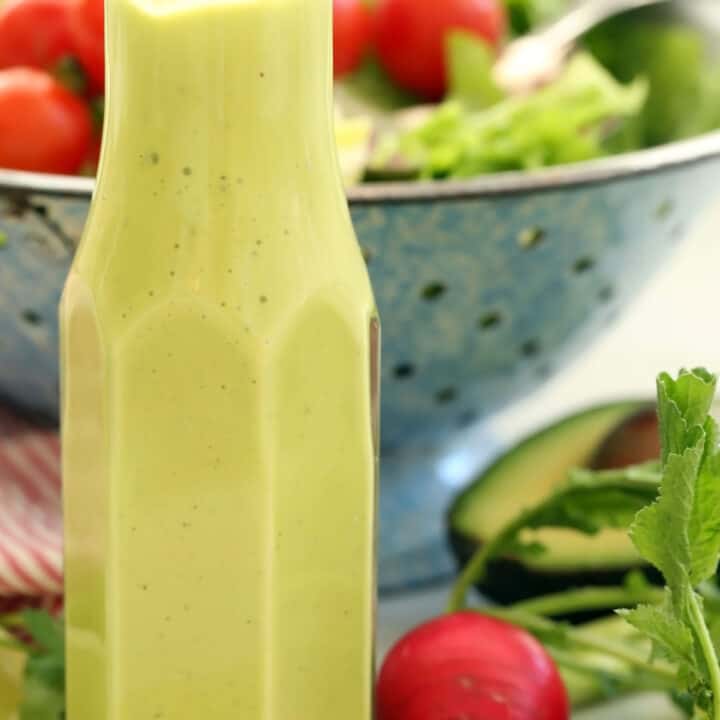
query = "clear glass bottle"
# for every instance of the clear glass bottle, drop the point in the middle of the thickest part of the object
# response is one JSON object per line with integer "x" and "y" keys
{"x": 219, "y": 354}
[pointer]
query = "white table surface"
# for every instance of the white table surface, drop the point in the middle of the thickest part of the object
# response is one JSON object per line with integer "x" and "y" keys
{"x": 674, "y": 322}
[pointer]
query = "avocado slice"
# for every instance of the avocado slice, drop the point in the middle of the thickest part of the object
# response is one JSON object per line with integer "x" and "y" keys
{"x": 604, "y": 436}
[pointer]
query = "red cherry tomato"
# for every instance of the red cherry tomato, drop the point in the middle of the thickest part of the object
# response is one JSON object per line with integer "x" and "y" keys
{"x": 34, "y": 33}
{"x": 92, "y": 159}
{"x": 471, "y": 666}
{"x": 43, "y": 126}
{"x": 87, "y": 29}
{"x": 411, "y": 37}
{"x": 352, "y": 34}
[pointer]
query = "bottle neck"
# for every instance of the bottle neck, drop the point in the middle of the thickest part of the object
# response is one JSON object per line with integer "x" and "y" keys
{"x": 227, "y": 90}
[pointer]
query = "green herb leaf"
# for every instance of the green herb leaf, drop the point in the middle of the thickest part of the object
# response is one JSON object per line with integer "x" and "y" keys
{"x": 671, "y": 639}
{"x": 43, "y": 692}
{"x": 588, "y": 503}
{"x": 680, "y": 534}
{"x": 41, "y": 702}
{"x": 528, "y": 14}
{"x": 45, "y": 631}
{"x": 684, "y": 90}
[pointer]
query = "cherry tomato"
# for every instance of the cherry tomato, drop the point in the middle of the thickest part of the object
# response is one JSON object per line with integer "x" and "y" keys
{"x": 411, "y": 36}
{"x": 43, "y": 126}
{"x": 352, "y": 34}
{"x": 89, "y": 166}
{"x": 34, "y": 33}
{"x": 87, "y": 29}
{"x": 471, "y": 666}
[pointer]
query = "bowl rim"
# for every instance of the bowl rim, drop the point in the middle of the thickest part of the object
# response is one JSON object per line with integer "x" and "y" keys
{"x": 617, "y": 167}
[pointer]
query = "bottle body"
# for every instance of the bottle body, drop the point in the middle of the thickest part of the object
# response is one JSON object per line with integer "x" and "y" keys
{"x": 219, "y": 347}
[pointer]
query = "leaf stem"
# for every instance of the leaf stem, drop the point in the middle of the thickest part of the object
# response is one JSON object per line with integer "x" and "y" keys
{"x": 708, "y": 650}
{"x": 637, "y": 480}
{"x": 476, "y": 569}
{"x": 586, "y": 599}
{"x": 583, "y": 640}
{"x": 629, "y": 680}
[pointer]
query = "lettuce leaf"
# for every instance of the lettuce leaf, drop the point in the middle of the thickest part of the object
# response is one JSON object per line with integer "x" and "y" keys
{"x": 684, "y": 89}
{"x": 571, "y": 120}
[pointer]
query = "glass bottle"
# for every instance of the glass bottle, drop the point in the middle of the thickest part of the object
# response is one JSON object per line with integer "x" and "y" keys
{"x": 219, "y": 355}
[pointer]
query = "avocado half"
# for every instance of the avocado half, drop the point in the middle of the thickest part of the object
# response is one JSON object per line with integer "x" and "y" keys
{"x": 602, "y": 437}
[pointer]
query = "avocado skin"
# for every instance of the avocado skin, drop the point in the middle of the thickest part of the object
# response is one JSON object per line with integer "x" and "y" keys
{"x": 509, "y": 581}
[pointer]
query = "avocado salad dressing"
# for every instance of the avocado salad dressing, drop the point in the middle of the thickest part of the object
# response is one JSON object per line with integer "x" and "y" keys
{"x": 219, "y": 353}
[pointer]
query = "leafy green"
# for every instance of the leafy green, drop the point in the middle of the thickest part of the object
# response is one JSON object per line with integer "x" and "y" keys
{"x": 526, "y": 15}
{"x": 684, "y": 89}
{"x": 470, "y": 64}
{"x": 567, "y": 121}
{"x": 587, "y": 503}
{"x": 680, "y": 534}
{"x": 43, "y": 695}
{"x": 41, "y": 701}
{"x": 673, "y": 509}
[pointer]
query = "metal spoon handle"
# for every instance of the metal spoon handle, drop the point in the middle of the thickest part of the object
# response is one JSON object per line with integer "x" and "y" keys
{"x": 567, "y": 29}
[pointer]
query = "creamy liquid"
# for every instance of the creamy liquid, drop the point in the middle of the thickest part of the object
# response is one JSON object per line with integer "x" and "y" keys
{"x": 12, "y": 666}
{"x": 219, "y": 350}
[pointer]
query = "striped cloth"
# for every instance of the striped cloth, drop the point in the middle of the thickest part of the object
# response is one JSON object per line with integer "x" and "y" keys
{"x": 30, "y": 515}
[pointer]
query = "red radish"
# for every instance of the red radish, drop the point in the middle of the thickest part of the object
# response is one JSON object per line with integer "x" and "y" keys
{"x": 470, "y": 666}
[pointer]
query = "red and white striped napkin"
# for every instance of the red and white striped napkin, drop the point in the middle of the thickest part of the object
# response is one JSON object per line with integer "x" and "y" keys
{"x": 30, "y": 514}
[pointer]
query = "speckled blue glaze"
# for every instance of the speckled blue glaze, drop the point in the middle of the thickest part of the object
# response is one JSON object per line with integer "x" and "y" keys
{"x": 482, "y": 296}
{"x": 481, "y": 299}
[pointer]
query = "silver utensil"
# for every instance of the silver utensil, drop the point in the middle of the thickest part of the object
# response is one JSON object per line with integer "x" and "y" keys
{"x": 534, "y": 60}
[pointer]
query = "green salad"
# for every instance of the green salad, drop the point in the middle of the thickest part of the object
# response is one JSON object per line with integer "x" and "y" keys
{"x": 638, "y": 81}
